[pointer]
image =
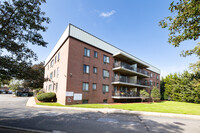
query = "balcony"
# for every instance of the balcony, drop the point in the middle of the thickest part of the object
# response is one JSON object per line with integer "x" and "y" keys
{"x": 127, "y": 69}
{"x": 130, "y": 82}
{"x": 125, "y": 95}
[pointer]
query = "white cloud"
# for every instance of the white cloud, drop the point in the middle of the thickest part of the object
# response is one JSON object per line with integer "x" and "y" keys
{"x": 107, "y": 14}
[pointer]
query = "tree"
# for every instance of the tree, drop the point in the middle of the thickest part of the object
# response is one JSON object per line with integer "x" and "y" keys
{"x": 36, "y": 78}
{"x": 162, "y": 88}
{"x": 20, "y": 25}
{"x": 183, "y": 87}
{"x": 155, "y": 94}
{"x": 184, "y": 25}
{"x": 144, "y": 94}
{"x": 14, "y": 85}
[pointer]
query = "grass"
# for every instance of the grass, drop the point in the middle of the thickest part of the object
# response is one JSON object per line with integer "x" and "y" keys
{"x": 163, "y": 107}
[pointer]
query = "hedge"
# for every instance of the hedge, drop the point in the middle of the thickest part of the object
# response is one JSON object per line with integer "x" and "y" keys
{"x": 47, "y": 97}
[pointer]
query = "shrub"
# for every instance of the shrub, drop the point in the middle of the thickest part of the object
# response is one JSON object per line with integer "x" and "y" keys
{"x": 144, "y": 94}
{"x": 155, "y": 94}
{"x": 47, "y": 97}
{"x": 40, "y": 92}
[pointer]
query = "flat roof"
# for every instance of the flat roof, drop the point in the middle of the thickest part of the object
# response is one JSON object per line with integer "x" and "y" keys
{"x": 86, "y": 37}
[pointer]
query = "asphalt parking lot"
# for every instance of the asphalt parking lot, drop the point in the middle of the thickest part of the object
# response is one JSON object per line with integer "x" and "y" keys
{"x": 14, "y": 113}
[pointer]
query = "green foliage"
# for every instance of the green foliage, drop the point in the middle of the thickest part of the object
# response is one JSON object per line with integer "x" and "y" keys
{"x": 162, "y": 89}
{"x": 35, "y": 79}
{"x": 40, "y": 92}
{"x": 144, "y": 94}
{"x": 184, "y": 25}
{"x": 155, "y": 94}
{"x": 47, "y": 97}
{"x": 14, "y": 85}
{"x": 183, "y": 87}
{"x": 20, "y": 25}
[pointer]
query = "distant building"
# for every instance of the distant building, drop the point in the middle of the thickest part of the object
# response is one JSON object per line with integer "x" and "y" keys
{"x": 85, "y": 69}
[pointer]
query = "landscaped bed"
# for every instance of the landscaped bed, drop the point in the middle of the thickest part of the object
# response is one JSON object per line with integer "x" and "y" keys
{"x": 164, "y": 107}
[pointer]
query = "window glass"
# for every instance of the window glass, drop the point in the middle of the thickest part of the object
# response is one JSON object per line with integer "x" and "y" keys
{"x": 56, "y": 87}
{"x": 52, "y": 62}
{"x": 151, "y": 82}
{"x": 105, "y": 73}
{"x": 94, "y": 70}
{"x": 57, "y": 72}
{"x": 95, "y": 54}
{"x": 86, "y": 68}
{"x": 106, "y": 59}
{"x": 54, "y": 74}
{"x": 51, "y": 75}
{"x": 85, "y": 86}
{"x": 58, "y": 56}
{"x": 105, "y": 88}
{"x": 86, "y": 52}
{"x": 94, "y": 86}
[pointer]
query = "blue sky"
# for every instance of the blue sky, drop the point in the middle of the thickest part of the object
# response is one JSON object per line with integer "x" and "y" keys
{"x": 130, "y": 25}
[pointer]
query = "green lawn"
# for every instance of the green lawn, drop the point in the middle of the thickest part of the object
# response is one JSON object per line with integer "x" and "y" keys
{"x": 164, "y": 107}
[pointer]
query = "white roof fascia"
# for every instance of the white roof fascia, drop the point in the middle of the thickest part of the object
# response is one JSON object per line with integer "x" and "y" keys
{"x": 58, "y": 44}
{"x": 84, "y": 36}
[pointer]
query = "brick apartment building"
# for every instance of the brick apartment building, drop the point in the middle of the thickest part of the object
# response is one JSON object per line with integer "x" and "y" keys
{"x": 85, "y": 69}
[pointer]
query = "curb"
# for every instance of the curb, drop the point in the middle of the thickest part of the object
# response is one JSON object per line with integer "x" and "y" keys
{"x": 23, "y": 129}
{"x": 31, "y": 103}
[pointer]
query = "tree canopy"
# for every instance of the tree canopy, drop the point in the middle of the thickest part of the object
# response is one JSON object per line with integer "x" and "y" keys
{"x": 184, "y": 24}
{"x": 20, "y": 26}
{"x": 36, "y": 77}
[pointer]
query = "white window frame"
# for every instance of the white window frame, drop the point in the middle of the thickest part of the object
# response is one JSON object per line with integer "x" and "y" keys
{"x": 94, "y": 86}
{"x": 86, "y": 68}
{"x": 106, "y": 73}
{"x": 85, "y": 86}
{"x": 87, "y": 52}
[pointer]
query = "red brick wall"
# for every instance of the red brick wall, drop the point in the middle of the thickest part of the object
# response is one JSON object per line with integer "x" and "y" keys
{"x": 76, "y": 77}
{"x": 154, "y": 79}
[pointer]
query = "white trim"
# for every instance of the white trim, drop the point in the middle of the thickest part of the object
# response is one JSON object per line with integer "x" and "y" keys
{"x": 79, "y": 34}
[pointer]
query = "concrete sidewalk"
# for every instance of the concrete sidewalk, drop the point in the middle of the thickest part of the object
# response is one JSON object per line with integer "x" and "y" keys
{"x": 31, "y": 103}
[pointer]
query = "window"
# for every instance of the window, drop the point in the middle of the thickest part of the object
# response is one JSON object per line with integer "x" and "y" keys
{"x": 94, "y": 86}
{"x": 52, "y": 62}
{"x": 86, "y": 52}
{"x": 57, "y": 72}
{"x": 46, "y": 88}
{"x": 48, "y": 67}
{"x": 54, "y": 74}
{"x": 95, "y": 54}
{"x": 51, "y": 75}
{"x": 105, "y": 73}
{"x": 50, "y": 87}
{"x": 151, "y": 82}
{"x": 86, "y": 69}
{"x": 56, "y": 87}
{"x": 157, "y": 77}
{"x": 94, "y": 70}
{"x": 151, "y": 75}
{"x": 85, "y": 86}
{"x": 105, "y": 59}
{"x": 58, "y": 56}
{"x": 84, "y": 101}
{"x": 55, "y": 59}
{"x": 105, "y": 101}
{"x": 157, "y": 85}
{"x": 154, "y": 83}
{"x": 145, "y": 82}
{"x": 105, "y": 88}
